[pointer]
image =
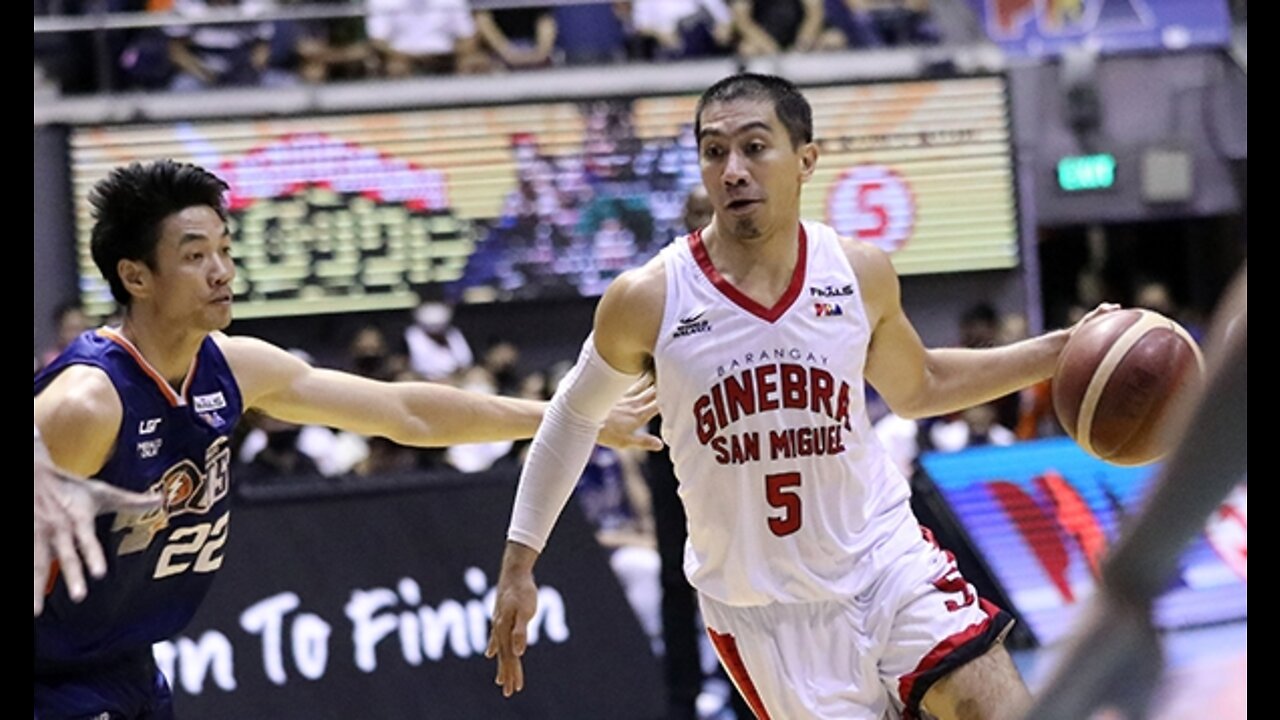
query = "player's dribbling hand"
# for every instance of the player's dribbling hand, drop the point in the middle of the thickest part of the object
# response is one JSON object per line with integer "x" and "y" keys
{"x": 1101, "y": 309}
{"x": 65, "y": 508}
{"x": 515, "y": 602}
{"x": 623, "y": 428}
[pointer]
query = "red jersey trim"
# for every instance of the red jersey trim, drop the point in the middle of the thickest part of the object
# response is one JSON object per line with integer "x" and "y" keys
{"x": 739, "y": 298}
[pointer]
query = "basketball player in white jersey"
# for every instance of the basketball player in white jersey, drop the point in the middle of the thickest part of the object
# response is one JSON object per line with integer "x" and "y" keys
{"x": 822, "y": 594}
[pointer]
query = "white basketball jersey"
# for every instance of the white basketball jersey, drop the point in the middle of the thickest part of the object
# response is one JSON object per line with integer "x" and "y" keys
{"x": 790, "y": 497}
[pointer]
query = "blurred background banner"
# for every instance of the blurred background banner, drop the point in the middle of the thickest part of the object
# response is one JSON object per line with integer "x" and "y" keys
{"x": 375, "y": 605}
{"x": 1042, "y": 513}
{"x": 1049, "y": 27}
{"x": 536, "y": 201}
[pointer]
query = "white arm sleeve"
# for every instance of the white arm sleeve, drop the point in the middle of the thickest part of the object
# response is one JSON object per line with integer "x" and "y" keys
{"x": 563, "y": 444}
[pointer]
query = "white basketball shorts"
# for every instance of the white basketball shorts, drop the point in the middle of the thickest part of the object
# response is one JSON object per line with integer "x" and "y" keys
{"x": 868, "y": 657}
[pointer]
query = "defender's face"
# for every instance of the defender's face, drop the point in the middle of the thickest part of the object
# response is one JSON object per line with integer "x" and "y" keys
{"x": 750, "y": 168}
{"x": 194, "y": 270}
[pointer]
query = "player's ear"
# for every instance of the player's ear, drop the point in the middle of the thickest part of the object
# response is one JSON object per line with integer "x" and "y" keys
{"x": 808, "y": 161}
{"x": 135, "y": 275}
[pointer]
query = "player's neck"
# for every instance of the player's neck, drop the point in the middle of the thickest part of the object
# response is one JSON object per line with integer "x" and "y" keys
{"x": 762, "y": 267}
{"x": 168, "y": 349}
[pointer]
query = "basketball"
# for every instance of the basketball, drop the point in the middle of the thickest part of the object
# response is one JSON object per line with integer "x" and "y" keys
{"x": 1117, "y": 380}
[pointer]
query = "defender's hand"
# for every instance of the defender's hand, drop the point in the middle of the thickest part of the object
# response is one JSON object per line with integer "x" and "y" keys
{"x": 65, "y": 508}
{"x": 623, "y": 428}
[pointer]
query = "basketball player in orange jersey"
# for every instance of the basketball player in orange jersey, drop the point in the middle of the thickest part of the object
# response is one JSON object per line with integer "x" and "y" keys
{"x": 822, "y": 594}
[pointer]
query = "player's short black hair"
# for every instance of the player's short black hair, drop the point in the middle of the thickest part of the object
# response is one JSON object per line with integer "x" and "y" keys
{"x": 790, "y": 105}
{"x": 130, "y": 204}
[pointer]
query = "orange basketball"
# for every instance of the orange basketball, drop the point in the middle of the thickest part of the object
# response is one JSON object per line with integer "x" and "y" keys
{"x": 1117, "y": 379}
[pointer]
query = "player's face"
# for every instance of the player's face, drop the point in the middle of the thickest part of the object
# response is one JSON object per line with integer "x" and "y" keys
{"x": 750, "y": 168}
{"x": 194, "y": 269}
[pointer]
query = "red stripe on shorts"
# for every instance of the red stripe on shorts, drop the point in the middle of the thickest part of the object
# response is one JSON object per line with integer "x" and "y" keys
{"x": 727, "y": 648}
{"x": 940, "y": 652}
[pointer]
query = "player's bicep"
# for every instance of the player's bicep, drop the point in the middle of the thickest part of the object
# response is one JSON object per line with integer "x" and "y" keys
{"x": 896, "y": 358}
{"x": 896, "y": 363}
{"x": 316, "y": 396}
{"x": 79, "y": 415}
{"x": 289, "y": 389}
{"x": 628, "y": 318}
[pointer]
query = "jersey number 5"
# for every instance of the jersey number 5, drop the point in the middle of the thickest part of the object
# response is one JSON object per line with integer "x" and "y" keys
{"x": 780, "y": 492}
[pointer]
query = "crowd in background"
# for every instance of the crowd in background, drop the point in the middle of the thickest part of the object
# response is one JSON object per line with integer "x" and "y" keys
{"x": 405, "y": 38}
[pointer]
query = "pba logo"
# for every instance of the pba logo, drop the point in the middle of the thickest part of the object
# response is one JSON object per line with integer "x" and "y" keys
{"x": 825, "y": 309}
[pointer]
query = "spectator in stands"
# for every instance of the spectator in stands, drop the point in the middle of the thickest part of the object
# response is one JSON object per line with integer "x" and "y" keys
{"x": 770, "y": 27}
{"x": 518, "y": 38}
{"x": 144, "y": 60}
{"x": 371, "y": 355}
{"x": 334, "y": 48}
{"x": 69, "y": 61}
{"x": 887, "y": 23}
{"x": 1036, "y": 418}
{"x": 437, "y": 349}
{"x": 70, "y": 319}
{"x": 973, "y": 427}
{"x": 980, "y": 328}
{"x": 432, "y": 37}
{"x": 678, "y": 29}
{"x": 901, "y": 439}
{"x": 477, "y": 457}
{"x": 501, "y": 359}
{"x": 1156, "y": 295}
{"x": 222, "y": 55}
{"x": 614, "y": 496}
{"x": 328, "y": 452}
{"x": 279, "y": 458}
{"x": 591, "y": 33}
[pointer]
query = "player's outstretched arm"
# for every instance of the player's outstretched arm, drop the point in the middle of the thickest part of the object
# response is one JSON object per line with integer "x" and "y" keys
{"x": 419, "y": 414}
{"x": 917, "y": 381}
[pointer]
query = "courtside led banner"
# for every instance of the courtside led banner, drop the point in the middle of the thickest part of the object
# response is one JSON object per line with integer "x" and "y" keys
{"x": 378, "y": 606}
{"x": 510, "y": 202}
{"x": 1042, "y": 514}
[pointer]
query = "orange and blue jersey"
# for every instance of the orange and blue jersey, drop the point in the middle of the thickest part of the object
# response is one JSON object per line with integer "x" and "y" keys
{"x": 161, "y": 563}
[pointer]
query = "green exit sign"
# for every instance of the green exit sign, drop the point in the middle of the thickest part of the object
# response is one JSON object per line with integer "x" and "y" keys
{"x": 1087, "y": 172}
